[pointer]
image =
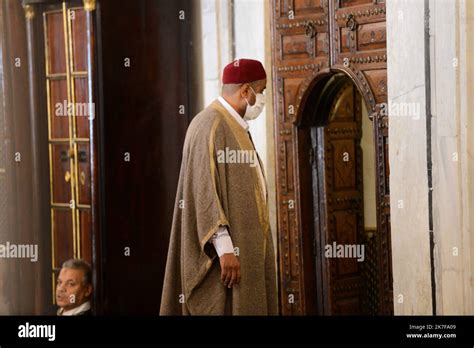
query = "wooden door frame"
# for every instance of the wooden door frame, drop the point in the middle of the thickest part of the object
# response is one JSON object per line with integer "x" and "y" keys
{"x": 293, "y": 82}
{"x": 34, "y": 10}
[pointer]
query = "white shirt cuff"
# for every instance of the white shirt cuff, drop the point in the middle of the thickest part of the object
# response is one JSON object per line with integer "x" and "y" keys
{"x": 222, "y": 241}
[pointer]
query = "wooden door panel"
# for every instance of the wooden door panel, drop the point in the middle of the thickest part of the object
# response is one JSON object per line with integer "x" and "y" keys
{"x": 308, "y": 7}
{"x": 346, "y": 226}
{"x": 359, "y": 27}
{"x": 55, "y": 44}
{"x": 377, "y": 80}
{"x": 301, "y": 34}
{"x": 82, "y": 108}
{"x": 296, "y": 45}
{"x": 286, "y": 160}
{"x": 348, "y": 305}
{"x": 84, "y": 223}
{"x": 371, "y": 36}
{"x": 347, "y": 266}
{"x": 303, "y": 43}
{"x": 79, "y": 39}
{"x": 322, "y": 48}
{"x": 59, "y": 120}
{"x": 291, "y": 87}
{"x": 83, "y": 174}
{"x": 344, "y": 174}
{"x": 343, "y": 111}
{"x": 63, "y": 241}
{"x": 350, "y": 3}
{"x": 300, "y": 8}
{"x": 345, "y": 42}
{"x": 61, "y": 174}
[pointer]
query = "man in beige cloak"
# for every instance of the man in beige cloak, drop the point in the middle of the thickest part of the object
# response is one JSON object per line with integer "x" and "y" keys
{"x": 221, "y": 258}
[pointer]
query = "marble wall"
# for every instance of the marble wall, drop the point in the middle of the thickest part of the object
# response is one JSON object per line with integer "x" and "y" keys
{"x": 451, "y": 76}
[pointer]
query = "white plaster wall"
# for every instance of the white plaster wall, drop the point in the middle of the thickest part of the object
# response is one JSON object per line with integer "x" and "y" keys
{"x": 407, "y": 154}
{"x": 467, "y": 148}
{"x": 209, "y": 49}
{"x": 216, "y": 27}
{"x": 452, "y": 141}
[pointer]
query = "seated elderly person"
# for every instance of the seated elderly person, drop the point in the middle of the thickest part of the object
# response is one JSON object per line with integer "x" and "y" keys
{"x": 74, "y": 288}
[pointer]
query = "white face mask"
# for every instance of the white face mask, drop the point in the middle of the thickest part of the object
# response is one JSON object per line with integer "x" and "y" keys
{"x": 253, "y": 111}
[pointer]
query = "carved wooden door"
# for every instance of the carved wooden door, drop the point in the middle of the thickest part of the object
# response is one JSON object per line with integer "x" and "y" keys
{"x": 339, "y": 206}
{"x": 313, "y": 40}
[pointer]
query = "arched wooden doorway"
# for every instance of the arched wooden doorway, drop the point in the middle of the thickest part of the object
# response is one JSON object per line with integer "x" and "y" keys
{"x": 338, "y": 135}
{"x": 312, "y": 41}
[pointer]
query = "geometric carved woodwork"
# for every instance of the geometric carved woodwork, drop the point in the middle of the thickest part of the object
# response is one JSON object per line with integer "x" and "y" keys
{"x": 313, "y": 40}
{"x": 339, "y": 202}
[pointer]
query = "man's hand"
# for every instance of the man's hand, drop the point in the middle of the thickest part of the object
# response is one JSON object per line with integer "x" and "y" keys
{"x": 230, "y": 270}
